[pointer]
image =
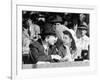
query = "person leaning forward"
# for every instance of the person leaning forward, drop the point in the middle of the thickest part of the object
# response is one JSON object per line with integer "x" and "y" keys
{"x": 42, "y": 49}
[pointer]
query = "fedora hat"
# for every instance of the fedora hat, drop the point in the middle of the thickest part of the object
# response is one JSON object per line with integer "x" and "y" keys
{"x": 57, "y": 19}
{"x": 48, "y": 30}
{"x": 83, "y": 27}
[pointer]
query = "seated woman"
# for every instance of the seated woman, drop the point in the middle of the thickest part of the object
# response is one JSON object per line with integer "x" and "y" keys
{"x": 68, "y": 49}
{"x": 42, "y": 49}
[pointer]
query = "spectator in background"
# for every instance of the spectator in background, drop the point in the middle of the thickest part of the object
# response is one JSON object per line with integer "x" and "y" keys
{"x": 34, "y": 30}
{"x": 25, "y": 37}
{"x": 25, "y": 44}
{"x": 66, "y": 23}
{"x": 84, "y": 19}
{"x": 41, "y": 21}
{"x": 58, "y": 27}
{"x": 83, "y": 43}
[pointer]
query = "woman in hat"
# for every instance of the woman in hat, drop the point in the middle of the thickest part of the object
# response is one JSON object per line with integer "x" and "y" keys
{"x": 68, "y": 49}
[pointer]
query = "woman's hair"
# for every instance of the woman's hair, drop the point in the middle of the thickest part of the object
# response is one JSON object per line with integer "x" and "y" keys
{"x": 73, "y": 45}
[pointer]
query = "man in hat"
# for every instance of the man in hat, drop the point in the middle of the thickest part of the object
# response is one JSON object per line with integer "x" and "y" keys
{"x": 59, "y": 28}
{"x": 83, "y": 43}
{"x": 41, "y": 50}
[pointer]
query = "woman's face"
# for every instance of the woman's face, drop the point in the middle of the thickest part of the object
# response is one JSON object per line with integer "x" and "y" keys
{"x": 52, "y": 40}
{"x": 66, "y": 39}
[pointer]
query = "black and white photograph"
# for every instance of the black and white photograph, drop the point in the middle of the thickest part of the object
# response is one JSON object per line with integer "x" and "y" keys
{"x": 55, "y": 39}
{"x": 51, "y": 40}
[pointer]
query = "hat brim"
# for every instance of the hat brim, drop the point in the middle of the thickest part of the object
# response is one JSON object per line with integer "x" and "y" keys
{"x": 45, "y": 34}
{"x": 56, "y": 21}
{"x": 82, "y": 28}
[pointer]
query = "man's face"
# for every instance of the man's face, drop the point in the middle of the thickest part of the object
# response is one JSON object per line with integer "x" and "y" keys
{"x": 65, "y": 23}
{"x": 82, "y": 16}
{"x": 84, "y": 32}
{"x": 52, "y": 40}
{"x": 57, "y": 24}
{"x": 66, "y": 39}
{"x": 29, "y": 21}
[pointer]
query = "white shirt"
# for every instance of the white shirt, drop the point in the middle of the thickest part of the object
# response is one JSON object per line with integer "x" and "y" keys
{"x": 45, "y": 49}
{"x": 82, "y": 44}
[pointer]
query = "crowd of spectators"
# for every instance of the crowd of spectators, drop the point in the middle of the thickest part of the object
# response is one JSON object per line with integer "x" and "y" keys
{"x": 49, "y": 37}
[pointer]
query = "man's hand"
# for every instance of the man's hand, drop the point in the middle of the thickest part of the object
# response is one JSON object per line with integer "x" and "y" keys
{"x": 56, "y": 57}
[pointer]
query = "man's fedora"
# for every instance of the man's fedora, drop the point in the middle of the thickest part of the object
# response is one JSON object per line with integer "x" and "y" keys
{"x": 57, "y": 19}
{"x": 82, "y": 27}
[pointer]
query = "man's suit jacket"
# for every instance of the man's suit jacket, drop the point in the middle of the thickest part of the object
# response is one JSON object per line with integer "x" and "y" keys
{"x": 37, "y": 52}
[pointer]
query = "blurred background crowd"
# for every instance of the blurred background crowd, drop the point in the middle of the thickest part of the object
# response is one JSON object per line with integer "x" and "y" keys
{"x": 54, "y": 37}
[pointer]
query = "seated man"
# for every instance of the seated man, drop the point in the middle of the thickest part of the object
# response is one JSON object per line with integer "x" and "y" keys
{"x": 41, "y": 50}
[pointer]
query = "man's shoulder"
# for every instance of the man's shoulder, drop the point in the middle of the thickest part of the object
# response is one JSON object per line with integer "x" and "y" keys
{"x": 36, "y": 44}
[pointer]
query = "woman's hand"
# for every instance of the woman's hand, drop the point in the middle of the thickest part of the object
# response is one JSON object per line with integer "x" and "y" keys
{"x": 68, "y": 56}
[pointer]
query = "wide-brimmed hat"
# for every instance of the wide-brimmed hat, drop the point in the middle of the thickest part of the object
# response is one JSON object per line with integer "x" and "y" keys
{"x": 57, "y": 19}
